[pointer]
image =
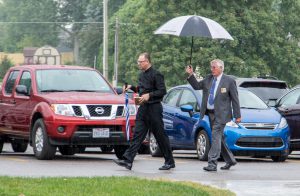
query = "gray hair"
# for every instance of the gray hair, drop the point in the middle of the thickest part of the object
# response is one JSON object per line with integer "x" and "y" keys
{"x": 146, "y": 55}
{"x": 219, "y": 62}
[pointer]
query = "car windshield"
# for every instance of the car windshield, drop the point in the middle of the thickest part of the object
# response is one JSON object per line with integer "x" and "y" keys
{"x": 250, "y": 100}
{"x": 62, "y": 80}
{"x": 198, "y": 93}
{"x": 292, "y": 98}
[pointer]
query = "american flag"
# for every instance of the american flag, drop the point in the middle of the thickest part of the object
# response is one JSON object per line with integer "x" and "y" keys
{"x": 127, "y": 116}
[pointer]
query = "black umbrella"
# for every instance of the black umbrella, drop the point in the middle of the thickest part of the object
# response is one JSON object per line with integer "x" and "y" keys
{"x": 193, "y": 25}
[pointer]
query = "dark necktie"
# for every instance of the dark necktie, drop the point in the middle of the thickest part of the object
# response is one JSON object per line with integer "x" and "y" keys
{"x": 212, "y": 92}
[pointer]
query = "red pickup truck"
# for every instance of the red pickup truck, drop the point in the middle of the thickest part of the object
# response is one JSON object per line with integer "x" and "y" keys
{"x": 69, "y": 107}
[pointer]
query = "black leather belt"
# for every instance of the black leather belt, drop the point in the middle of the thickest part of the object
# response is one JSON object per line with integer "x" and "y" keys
{"x": 210, "y": 111}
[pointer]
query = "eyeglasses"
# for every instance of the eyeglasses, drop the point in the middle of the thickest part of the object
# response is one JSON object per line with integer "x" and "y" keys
{"x": 213, "y": 67}
{"x": 141, "y": 61}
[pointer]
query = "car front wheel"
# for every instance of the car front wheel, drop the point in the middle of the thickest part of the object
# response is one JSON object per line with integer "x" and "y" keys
{"x": 154, "y": 148}
{"x": 202, "y": 146}
{"x": 144, "y": 149}
{"x": 281, "y": 158}
{"x": 42, "y": 148}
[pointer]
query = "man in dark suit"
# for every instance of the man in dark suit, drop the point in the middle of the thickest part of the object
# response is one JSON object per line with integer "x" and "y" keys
{"x": 220, "y": 102}
{"x": 151, "y": 88}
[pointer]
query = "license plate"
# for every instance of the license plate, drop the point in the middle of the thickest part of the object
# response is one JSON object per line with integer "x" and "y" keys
{"x": 100, "y": 132}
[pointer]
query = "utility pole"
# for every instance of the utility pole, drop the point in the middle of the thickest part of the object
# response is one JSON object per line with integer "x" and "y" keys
{"x": 116, "y": 59}
{"x": 105, "y": 40}
{"x": 95, "y": 61}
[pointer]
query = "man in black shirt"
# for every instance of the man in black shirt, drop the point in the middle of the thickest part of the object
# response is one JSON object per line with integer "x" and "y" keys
{"x": 151, "y": 88}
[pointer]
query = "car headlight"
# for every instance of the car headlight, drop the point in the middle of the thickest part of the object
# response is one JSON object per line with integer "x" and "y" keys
{"x": 132, "y": 109}
{"x": 282, "y": 123}
{"x": 232, "y": 124}
{"x": 62, "y": 109}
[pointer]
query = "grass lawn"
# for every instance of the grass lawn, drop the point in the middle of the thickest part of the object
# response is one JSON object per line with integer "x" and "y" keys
{"x": 17, "y": 186}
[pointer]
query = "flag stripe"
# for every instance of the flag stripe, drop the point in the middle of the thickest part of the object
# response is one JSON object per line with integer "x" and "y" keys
{"x": 127, "y": 116}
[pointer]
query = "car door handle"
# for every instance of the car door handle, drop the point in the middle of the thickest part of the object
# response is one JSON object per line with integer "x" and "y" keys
{"x": 12, "y": 101}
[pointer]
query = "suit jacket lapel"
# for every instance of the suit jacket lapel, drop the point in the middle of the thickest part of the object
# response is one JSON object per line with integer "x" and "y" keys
{"x": 210, "y": 82}
{"x": 219, "y": 86}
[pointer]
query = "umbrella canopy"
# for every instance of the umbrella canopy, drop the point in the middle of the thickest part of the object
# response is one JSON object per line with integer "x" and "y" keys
{"x": 194, "y": 26}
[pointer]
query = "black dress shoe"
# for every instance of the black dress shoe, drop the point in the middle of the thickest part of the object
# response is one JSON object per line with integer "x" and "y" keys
{"x": 227, "y": 166}
{"x": 167, "y": 166}
{"x": 124, "y": 163}
{"x": 210, "y": 168}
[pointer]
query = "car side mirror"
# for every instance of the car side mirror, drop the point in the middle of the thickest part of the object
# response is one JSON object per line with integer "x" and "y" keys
{"x": 187, "y": 108}
{"x": 119, "y": 90}
{"x": 22, "y": 89}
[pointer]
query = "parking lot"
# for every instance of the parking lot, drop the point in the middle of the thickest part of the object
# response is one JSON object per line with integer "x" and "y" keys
{"x": 251, "y": 176}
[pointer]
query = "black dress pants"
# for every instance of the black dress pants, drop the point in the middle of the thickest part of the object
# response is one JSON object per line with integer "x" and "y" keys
{"x": 149, "y": 117}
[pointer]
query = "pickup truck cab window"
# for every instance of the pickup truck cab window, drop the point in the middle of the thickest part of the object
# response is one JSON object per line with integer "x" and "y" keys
{"x": 11, "y": 82}
{"x": 26, "y": 80}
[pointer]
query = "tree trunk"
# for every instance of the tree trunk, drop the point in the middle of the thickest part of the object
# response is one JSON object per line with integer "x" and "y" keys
{"x": 76, "y": 50}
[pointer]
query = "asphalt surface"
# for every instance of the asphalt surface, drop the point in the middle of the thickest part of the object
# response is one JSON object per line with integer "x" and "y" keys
{"x": 249, "y": 177}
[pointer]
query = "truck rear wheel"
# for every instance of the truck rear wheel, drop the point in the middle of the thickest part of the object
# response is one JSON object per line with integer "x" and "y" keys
{"x": 106, "y": 148}
{"x": 1, "y": 145}
{"x": 19, "y": 145}
{"x": 42, "y": 148}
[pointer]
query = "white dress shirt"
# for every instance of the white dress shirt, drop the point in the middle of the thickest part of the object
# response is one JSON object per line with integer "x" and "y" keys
{"x": 211, "y": 107}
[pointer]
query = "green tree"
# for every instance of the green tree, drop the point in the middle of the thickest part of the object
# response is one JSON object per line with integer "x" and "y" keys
{"x": 4, "y": 66}
{"x": 86, "y": 36}
{"x": 259, "y": 28}
{"x": 21, "y": 25}
{"x": 73, "y": 13}
{"x": 81, "y": 20}
{"x": 91, "y": 34}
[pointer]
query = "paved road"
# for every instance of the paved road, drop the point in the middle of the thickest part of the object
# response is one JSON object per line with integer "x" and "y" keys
{"x": 249, "y": 177}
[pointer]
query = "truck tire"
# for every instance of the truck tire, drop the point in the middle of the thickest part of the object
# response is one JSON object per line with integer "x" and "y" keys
{"x": 81, "y": 149}
{"x": 153, "y": 146}
{"x": 119, "y": 151}
{"x": 42, "y": 148}
{"x": 1, "y": 145}
{"x": 19, "y": 145}
{"x": 202, "y": 145}
{"x": 67, "y": 150}
{"x": 106, "y": 148}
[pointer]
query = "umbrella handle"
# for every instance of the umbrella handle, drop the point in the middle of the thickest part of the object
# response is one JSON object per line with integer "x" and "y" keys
{"x": 191, "y": 50}
{"x": 126, "y": 84}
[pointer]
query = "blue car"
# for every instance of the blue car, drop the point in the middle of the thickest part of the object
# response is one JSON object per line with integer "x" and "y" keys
{"x": 262, "y": 131}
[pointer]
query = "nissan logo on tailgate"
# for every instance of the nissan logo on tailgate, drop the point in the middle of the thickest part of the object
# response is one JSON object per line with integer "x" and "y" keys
{"x": 99, "y": 110}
